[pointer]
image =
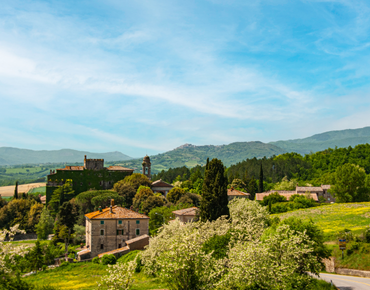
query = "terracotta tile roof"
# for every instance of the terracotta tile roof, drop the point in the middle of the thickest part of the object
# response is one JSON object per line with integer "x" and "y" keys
{"x": 119, "y": 168}
{"x": 308, "y": 188}
{"x": 286, "y": 194}
{"x": 161, "y": 183}
{"x": 192, "y": 211}
{"x": 325, "y": 186}
{"x": 137, "y": 239}
{"x": 72, "y": 168}
{"x": 119, "y": 250}
{"x": 117, "y": 213}
{"x": 234, "y": 192}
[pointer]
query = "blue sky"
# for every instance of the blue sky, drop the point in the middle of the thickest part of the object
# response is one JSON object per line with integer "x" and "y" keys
{"x": 147, "y": 76}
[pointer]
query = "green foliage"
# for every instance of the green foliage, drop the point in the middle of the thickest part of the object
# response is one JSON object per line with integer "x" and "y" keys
{"x": 218, "y": 245}
{"x": 104, "y": 199}
{"x": 36, "y": 255}
{"x": 126, "y": 191}
{"x": 17, "y": 212}
{"x": 60, "y": 195}
{"x": 96, "y": 260}
{"x": 136, "y": 180}
{"x": 274, "y": 198}
{"x": 350, "y": 184}
{"x": 158, "y": 216}
{"x": 16, "y": 190}
{"x": 313, "y": 232}
{"x": 142, "y": 194}
{"x": 129, "y": 257}
{"x": 285, "y": 184}
{"x": 108, "y": 260}
{"x": 214, "y": 198}
{"x": 45, "y": 224}
{"x": 152, "y": 202}
{"x": 175, "y": 194}
{"x": 84, "y": 199}
{"x": 260, "y": 183}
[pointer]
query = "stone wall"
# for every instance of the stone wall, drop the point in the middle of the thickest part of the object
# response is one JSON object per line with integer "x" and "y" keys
{"x": 111, "y": 240}
{"x": 329, "y": 264}
{"x": 352, "y": 272}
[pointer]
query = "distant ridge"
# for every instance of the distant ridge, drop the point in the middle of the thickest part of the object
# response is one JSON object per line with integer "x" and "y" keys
{"x": 331, "y": 139}
{"x": 16, "y": 156}
{"x": 191, "y": 155}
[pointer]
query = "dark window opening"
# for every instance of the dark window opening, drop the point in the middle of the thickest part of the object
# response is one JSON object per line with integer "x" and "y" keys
{"x": 102, "y": 232}
{"x": 102, "y": 246}
{"x": 119, "y": 246}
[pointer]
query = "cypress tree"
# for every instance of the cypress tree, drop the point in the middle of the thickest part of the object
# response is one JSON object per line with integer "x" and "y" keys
{"x": 214, "y": 192}
{"x": 252, "y": 188}
{"x": 16, "y": 190}
{"x": 260, "y": 183}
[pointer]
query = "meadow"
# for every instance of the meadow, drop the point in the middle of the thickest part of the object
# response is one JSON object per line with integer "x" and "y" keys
{"x": 334, "y": 218}
{"x": 86, "y": 275}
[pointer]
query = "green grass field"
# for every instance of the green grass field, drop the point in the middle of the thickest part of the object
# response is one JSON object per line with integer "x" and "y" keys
{"x": 39, "y": 190}
{"x": 85, "y": 276}
{"x": 334, "y": 218}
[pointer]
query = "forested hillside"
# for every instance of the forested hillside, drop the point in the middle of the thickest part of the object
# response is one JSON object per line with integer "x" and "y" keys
{"x": 314, "y": 168}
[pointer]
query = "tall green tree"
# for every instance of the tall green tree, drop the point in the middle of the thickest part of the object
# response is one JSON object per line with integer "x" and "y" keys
{"x": 37, "y": 257}
{"x": 16, "y": 190}
{"x": 67, "y": 218}
{"x": 214, "y": 199}
{"x": 350, "y": 184}
{"x": 252, "y": 188}
{"x": 260, "y": 182}
{"x": 45, "y": 225}
{"x": 61, "y": 195}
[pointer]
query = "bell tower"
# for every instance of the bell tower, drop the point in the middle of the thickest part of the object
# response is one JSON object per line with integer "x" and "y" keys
{"x": 147, "y": 167}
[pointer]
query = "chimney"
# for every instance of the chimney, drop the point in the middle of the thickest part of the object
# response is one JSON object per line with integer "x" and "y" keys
{"x": 100, "y": 210}
{"x": 111, "y": 209}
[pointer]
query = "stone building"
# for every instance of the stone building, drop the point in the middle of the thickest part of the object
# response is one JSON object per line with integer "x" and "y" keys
{"x": 313, "y": 192}
{"x": 161, "y": 186}
{"x": 110, "y": 228}
{"x": 92, "y": 175}
{"x": 186, "y": 215}
{"x": 233, "y": 193}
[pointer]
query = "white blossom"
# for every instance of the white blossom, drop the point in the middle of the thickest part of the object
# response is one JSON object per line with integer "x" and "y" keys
{"x": 8, "y": 251}
{"x": 119, "y": 276}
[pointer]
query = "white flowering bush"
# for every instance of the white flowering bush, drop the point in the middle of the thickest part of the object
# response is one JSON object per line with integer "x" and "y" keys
{"x": 255, "y": 258}
{"x": 119, "y": 276}
{"x": 8, "y": 251}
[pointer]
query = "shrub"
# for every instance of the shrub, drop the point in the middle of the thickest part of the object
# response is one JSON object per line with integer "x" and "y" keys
{"x": 367, "y": 235}
{"x": 108, "y": 260}
{"x": 96, "y": 260}
{"x": 64, "y": 264}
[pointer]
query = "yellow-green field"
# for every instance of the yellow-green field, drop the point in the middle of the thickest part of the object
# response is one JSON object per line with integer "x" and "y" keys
{"x": 85, "y": 276}
{"x": 333, "y": 218}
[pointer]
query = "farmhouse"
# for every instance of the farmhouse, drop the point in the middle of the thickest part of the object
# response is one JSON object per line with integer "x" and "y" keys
{"x": 233, "y": 193}
{"x": 114, "y": 229}
{"x": 186, "y": 215}
{"x": 314, "y": 192}
{"x": 92, "y": 175}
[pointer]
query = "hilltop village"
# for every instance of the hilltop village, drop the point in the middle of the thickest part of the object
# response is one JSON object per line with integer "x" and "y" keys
{"x": 97, "y": 215}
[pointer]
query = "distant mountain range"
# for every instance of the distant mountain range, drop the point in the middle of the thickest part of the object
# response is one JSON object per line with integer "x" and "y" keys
{"x": 191, "y": 155}
{"x": 15, "y": 156}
